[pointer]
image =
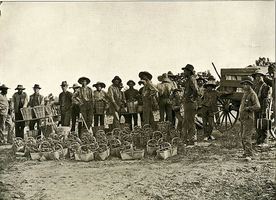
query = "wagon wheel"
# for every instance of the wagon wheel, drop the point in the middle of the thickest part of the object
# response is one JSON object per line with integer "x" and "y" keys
{"x": 226, "y": 115}
{"x": 270, "y": 116}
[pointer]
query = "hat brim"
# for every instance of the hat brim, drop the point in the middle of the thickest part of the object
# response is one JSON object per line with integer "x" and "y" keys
{"x": 63, "y": 85}
{"x": 82, "y": 79}
{"x": 100, "y": 84}
{"x": 19, "y": 88}
{"x": 185, "y": 68}
{"x": 245, "y": 82}
{"x": 36, "y": 87}
{"x": 147, "y": 74}
{"x": 258, "y": 73}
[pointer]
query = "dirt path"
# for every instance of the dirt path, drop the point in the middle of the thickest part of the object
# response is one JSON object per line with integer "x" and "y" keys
{"x": 198, "y": 173}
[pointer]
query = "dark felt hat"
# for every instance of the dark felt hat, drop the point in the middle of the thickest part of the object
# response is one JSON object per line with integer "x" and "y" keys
{"x": 36, "y": 86}
{"x": 4, "y": 87}
{"x": 170, "y": 74}
{"x": 131, "y": 81}
{"x": 81, "y": 79}
{"x": 100, "y": 84}
{"x": 140, "y": 82}
{"x": 189, "y": 67}
{"x": 116, "y": 78}
{"x": 19, "y": 87}
{"x": 144, "y": 73}
{"x": 64, "y": 83}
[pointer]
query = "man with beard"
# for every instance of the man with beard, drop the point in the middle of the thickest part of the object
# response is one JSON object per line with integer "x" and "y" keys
{"x": 149, "y": 98}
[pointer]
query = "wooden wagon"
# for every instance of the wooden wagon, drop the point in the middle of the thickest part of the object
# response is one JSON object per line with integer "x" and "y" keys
{"x": 227, "y": 112}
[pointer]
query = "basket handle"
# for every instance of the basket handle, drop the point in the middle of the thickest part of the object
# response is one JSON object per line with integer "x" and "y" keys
{"x": 151, "y": 140}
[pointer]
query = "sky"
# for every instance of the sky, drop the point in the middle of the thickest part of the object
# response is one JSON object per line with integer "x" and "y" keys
{"x": 47, "y": 43}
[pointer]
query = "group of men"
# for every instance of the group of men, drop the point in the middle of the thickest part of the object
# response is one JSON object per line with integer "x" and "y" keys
{"x": 195, "y": 94}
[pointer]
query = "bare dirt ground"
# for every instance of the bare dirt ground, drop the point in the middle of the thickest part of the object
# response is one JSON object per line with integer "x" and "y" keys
{"x": 201, "y": 172}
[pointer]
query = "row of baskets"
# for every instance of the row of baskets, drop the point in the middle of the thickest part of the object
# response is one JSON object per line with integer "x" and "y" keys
{"x": 118, "y": 143}
{"x": 39, "y": 112}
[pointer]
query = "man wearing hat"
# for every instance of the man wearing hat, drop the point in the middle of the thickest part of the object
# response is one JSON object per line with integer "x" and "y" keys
{"x": 100, "y": 103}
{"x": 36, "y": 99}
{"x": 190, "y": 97}
{"x": 19, "y": 100}
{"x": 148, "y": 97}
{"x": 249, "y": 105}
{"x": 208, "y": 108}
{"x": 132, "y": 97}
{"x": 84, "y": 98}
{"x": 4, "y": 108}
{"x": 165, "y": 89}
{"x": 75, "y": 110}
{"x": 116, "y": 99}
{"x": 65, "y": 103}
{"x": 263, "y": 92}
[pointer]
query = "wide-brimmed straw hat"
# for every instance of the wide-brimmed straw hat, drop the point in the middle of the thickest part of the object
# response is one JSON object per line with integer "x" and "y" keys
{"x": 211, "y": 83}
{"x": 116, "y": 78}
{"x": 75, "y": 85}
{"x": 81, "y": 79}
{"x": 165, "y": 78}
{"x": 19, "y": 87}
{"x": 131, "y": 81}
{"x": 145, "y": 73}
{"x": 258, "y": 72}
{"x": 36, "y": 86}
{"x": 246, "y": 79}
{"x": 100, "y": 84}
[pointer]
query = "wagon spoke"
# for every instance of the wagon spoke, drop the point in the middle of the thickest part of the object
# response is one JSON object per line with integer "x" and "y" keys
{"x": 230, "y": 119}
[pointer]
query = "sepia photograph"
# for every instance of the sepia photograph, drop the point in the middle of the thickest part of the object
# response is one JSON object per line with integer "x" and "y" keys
{"x": 137, "y": 100}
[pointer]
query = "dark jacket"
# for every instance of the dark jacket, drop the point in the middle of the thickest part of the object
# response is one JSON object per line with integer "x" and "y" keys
{"x": 65, "y": 101}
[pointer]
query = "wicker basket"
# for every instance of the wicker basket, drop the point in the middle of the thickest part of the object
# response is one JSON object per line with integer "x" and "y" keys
{"x": 63, "y": 130}
{"x": 132, "y": 107}
{"x": 26, "y": 113}
{"x": 48, "y": 111}
{"x": 132, "y": 154}
{"x": 35, "y": 155}
{"x": 152, "y": 146}
{"x": 39, "y": 111}
{"x": 165, "y": 151}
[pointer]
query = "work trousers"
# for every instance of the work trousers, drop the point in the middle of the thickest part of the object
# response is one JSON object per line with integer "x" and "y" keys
{"x": 9, "y": 127}
{"x": 179, "y": 119}
{"x": 189, "y": 128}
{"x": 247, "y": 130}
{"x": 147, "y": 112}
{"x": 129, "y": 117}
{"x": 86, "y": 110}
{"x": 261, "y": 134}
{"x": 2, "y": 128}
{"x": 75, "y": 113}
{"x": 165, "y": 107}
{"x": 19, "y": 126}
{"x": 208, "y": 120}
{"x": 65, "y": 117}
{"x": 96, "y": 119}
